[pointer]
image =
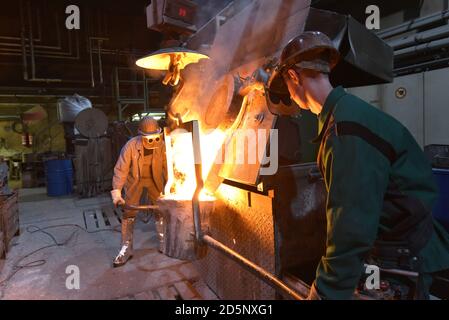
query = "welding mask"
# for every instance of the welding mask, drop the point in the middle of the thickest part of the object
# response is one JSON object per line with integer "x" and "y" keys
{"x": 311, "y": 50}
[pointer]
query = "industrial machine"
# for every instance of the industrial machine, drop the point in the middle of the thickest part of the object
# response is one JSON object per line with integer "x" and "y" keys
{"x": 249, "y": 247}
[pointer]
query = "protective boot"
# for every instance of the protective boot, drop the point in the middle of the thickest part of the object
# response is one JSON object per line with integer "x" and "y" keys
{"x": 126, "y": 252}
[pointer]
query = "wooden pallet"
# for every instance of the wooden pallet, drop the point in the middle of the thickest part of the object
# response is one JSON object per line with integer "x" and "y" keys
{"x": 101, "y": 218}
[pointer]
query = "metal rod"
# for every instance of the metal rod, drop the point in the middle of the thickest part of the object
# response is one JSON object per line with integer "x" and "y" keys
{"x": 258, "y": 271}
{"x": 138, "y": 208}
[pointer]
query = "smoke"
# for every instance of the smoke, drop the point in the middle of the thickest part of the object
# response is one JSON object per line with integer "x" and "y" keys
{"x": 253, "y": 31}
{"x": 208, "y": 9}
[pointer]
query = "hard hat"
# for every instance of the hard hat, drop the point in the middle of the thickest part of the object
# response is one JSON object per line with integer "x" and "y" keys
{"x": 311, "y": 50}
{"x": 149, "y": 126}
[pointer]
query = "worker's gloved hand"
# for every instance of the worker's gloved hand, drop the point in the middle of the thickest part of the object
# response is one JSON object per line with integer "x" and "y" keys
{"x": 313, "y": 293}
{"x": 117, "y": 197}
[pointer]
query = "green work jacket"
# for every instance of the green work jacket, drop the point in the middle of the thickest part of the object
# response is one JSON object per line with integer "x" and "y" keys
{"x": 381, "y": 191}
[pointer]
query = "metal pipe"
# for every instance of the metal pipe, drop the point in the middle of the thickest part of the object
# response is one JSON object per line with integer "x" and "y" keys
{"x": 17, "y": 53}
{"x": 9, "y": 117}
{"x": 414, "y": 24}
{"x": 258, "y": 271}
{"x": 58, "y": 47}
{"x": 427, "y": 64}
{"x": 33, "y": 62}
{"x": 426, "y": 36}
{"x": 64, "y": 55}
{"x": 39, "y": 96}
{"x": 433, "y": 45}
{"x": 39, "y": 37}
{"x": 145, "y": 92}
{"x": 100, "y": 64}
{"x": 117, "y": 93}
{"x": 22, "y": 34}
{"x": 91, "y": 64}
{"x": 33, "y": 59}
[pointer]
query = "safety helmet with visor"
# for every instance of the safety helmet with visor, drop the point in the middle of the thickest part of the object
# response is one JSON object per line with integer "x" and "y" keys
{"x": 151, "y": 133}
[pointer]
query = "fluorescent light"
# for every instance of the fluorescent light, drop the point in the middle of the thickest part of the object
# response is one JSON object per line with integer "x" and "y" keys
{"x": 155, "y": 115}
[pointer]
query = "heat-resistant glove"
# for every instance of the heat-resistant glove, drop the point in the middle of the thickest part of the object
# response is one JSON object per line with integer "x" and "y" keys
{"x": 117, "y": 197}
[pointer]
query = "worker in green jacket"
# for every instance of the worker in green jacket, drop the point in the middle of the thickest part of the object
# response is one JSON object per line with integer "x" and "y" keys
{"x": 380, "y": 185}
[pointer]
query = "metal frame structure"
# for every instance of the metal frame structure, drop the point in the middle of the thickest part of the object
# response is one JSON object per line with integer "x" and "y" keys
{"x": 124, "y": 102}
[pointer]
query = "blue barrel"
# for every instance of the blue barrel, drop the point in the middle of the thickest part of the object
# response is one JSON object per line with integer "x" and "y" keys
{"x": 59, "y": 177}
{"x": 441, "y": 210}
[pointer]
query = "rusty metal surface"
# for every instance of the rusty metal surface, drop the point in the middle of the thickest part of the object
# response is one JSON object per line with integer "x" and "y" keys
{"x": 242, "y": 221}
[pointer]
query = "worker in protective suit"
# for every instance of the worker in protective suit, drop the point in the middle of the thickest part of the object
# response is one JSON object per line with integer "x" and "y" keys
{"x": 380, "y": 186}
{"x": 141, "y": 167}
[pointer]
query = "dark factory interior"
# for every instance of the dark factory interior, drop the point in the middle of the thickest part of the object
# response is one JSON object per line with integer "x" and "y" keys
{"x": 224, "y": 150}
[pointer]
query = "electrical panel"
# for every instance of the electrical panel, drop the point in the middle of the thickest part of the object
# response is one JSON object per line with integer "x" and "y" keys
{"x": 172, "y": 16}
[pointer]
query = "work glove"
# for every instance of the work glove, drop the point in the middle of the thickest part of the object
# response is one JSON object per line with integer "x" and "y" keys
{"x": 313, "y": 293}
{"x": 117, "y": 197}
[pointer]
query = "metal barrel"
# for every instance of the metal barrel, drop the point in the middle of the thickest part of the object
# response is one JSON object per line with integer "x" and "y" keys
{"x": 59, "y": 175}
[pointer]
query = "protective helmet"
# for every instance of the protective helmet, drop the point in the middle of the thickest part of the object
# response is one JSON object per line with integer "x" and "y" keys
{"x": 311, "y": 50}
{"x": 149, "y": 126}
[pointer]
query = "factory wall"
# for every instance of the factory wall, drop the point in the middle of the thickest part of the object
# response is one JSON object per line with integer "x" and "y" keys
{"x": 418, "y": 101}
{"x": 48, "y": 135}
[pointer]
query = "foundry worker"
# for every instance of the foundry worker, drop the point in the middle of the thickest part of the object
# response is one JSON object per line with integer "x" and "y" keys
{"x": 380, "y": 186}
{"x": 141, "y": 167}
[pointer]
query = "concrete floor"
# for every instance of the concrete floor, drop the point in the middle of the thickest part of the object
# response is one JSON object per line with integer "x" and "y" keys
{"x": 149, "y": 275}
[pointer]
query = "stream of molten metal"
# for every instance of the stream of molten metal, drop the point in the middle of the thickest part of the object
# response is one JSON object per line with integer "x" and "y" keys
{"x": 181, "y": 163}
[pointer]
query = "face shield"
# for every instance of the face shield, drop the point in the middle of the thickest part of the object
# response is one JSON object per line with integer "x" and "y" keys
{"x": 153, "y": 141}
